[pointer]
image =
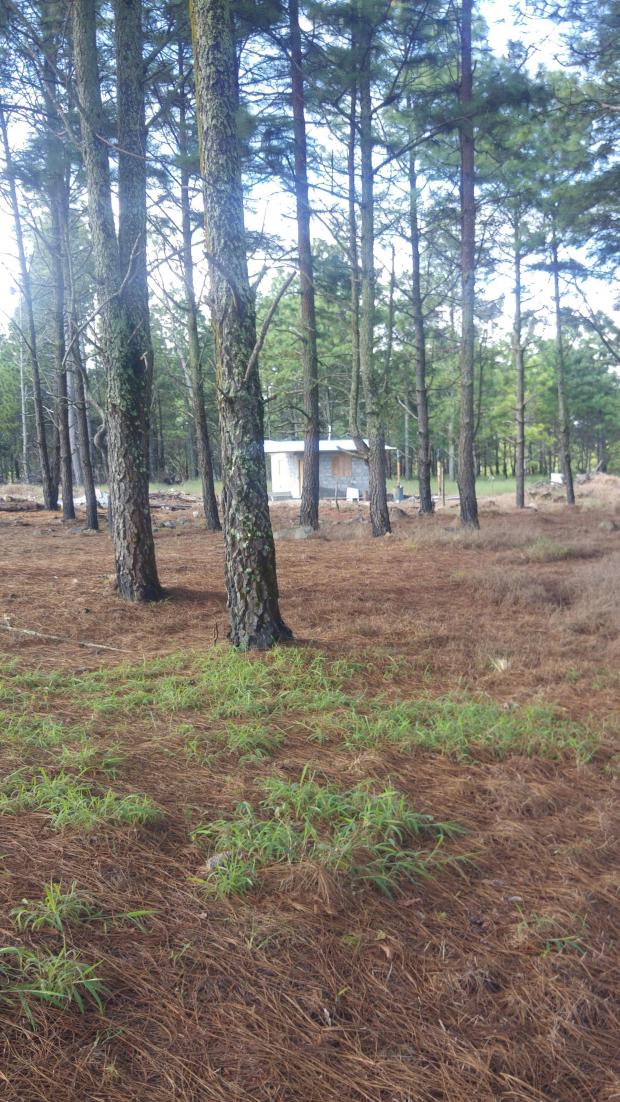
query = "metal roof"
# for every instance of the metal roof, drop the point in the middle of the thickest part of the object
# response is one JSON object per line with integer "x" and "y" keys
{"x": 273, "y": 447}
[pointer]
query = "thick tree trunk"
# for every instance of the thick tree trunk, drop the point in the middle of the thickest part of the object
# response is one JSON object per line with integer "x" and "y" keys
{"x": 50, "y": 487}
{"x": 309, "y": 509}
{"x": 124, "y": 331}
{"x": 130, "y": 92}
{"x": 201, "y": 428}
{"x": 467, "y": 470}
{"x": 250, "y": 562}
{"x": 379, "y": 513}
{"x": 519, "y": 355}
{"x": 560, "y": 374}
{"x": 424, "y": 452}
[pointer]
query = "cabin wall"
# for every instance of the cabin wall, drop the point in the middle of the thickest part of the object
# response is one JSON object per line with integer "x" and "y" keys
{"x": 329, "y": 482}
{"x": 285, "y": 474}
{"x": 286, "y": 469}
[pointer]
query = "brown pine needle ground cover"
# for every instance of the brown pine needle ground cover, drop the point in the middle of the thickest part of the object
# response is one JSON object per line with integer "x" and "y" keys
{"x": 381, "y": 865}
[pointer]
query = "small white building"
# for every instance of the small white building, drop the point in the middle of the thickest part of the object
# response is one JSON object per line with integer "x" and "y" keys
{"x": 340, "y": 468}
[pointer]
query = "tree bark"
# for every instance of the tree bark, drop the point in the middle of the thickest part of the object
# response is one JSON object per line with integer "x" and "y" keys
{"x": 424, "y": 450}
{"x": 201, "y": 428}
{"x": 250, "y": 562}
{"x": 130, "y": 92}
{"x": 467, "y": 471}
{"x": 560, "y": 374}
{"x": 22, "y": 395}
{"x": 74, "y": 430}
{"x": 56, "y": 187}
{"x": 309, "y": 509}
{"x": 379, "y": 513}
{"x": 354, "y": 393}
{"x": 58, "y": 201}
{"x": 50, "y": 487}
{"x": 126, "y": 348}
{"x": 519, "y": 355}
{"x": 79, "y": 387}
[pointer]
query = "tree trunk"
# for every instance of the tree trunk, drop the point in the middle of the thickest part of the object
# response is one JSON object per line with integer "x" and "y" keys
{"x": 22, "y": 395}
{"x": 560, "y": 374}
{"x": 201, "y": 428}
{"x": 131, "y": 127}
{"x": 74, "y": 431}
{"x": 50, "y": 488}
{"x": 424, "y": 460}
{"x": 250, "y": 562}
{"x": 467, "y": 472}
{"x": 379, "y": 513}
{"x": 519, "y": 354}
{"x": 309, "y": 508}
{"x": 58, "y": 196}
{"x": 601, "y": 450}
{"x": 59, "y": 200}
{"x": 407, "y": 464}
{"x": 79, "y": 387}
{"x": 354, "y": 393}
{"x": 62, "y": 397}
{"x": 124, "y": 334}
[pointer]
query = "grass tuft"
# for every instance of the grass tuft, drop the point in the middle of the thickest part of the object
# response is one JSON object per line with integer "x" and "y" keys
{"x": 55, "y": 909}
{"x": 59, "y": 979}
{"x": 357, "y": 832}
{"x": 69, "y": 801}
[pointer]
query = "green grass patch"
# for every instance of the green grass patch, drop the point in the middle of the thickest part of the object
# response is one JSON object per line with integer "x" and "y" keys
{"x": 59, "y": 979}
{"x": 247, "y": 703}
{"x": 221, "y": 682}
{"x": 69, "y": 801}
{"x": 57, "y": 909}
{"x": 54, "y": 910}
{"x": 33, "y": 731}
{"x": 248, "y": 741}
{"x": 468, "y": 727}
{"x": 88, "y": 758}
{"x": 363, "y": 834}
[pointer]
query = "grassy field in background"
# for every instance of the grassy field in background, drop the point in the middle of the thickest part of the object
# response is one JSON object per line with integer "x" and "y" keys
{"x": 485, "y": 487}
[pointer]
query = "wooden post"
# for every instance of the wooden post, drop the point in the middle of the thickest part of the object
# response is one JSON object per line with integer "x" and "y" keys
{"x": 398, "y": 467}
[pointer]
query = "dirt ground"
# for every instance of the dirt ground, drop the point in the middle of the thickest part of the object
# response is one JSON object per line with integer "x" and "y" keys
{"x": 304, "y": 993}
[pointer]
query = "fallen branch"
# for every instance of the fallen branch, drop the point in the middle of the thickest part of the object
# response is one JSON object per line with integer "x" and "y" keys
{"x": 7, "y": 626}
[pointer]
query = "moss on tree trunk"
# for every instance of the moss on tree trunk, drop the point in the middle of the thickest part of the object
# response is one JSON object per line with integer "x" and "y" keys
{"x": 250, "y": 563}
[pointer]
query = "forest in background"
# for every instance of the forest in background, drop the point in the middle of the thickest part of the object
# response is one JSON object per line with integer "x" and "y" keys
{"x": 546, "y": 181}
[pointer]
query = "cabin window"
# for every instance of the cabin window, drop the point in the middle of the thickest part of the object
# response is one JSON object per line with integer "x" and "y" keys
{"x": 342, "y": 465}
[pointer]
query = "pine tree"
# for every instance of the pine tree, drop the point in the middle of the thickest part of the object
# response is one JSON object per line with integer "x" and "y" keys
{"x": 250, "y": 564}
{"x": 124, "y": 324}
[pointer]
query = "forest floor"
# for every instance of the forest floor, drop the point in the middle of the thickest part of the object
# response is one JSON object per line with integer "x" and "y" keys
{"x": 377, "y": 866}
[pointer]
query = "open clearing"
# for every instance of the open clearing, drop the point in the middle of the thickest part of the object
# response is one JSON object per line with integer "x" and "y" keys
{"x": 381, "y": 865}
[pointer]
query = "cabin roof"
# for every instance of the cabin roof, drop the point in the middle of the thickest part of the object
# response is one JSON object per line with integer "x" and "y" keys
{"x": 275, "y": 447}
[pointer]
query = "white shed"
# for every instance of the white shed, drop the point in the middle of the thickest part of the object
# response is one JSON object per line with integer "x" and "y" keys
{"x": 340, "y": 468}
